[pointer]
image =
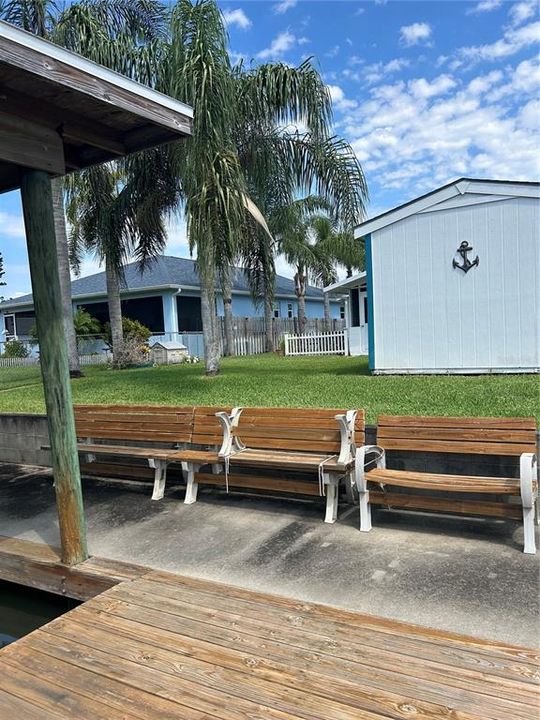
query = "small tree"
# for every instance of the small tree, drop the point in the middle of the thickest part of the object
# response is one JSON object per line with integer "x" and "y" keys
{"x": 15, "y": 349}
{"x": 85, "y": 324}
{"x": 132, "y": 329}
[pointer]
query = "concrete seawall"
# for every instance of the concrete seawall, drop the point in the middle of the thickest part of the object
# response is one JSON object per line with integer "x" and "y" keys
{"x": 23, "y": 436}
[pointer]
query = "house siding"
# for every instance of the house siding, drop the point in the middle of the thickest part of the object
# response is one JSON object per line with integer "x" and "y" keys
{"x": 429, "y": 316}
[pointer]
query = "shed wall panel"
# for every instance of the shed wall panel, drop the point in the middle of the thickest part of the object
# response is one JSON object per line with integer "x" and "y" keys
{"x": 431, "y": 316}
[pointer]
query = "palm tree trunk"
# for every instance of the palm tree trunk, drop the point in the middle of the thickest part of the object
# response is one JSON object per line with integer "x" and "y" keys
{"x": 209, "y": 323}
{"x": 327, "y": 315}
{"x": 300, "y": 286}
{"x": 62, "y": 253}
{"x": 228, "y": 313}
{"x": 115, "y": 309}
{"x": 269, "y": 323}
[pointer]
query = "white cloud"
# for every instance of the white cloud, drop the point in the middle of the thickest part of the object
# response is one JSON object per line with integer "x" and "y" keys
{"x": 11, "y": 225}
{"x": 333, "y": 51}
{"x": 421, "y": 88}
{"x": 283, "y": 6}
{"x": 339, "y": 100}
{"x": 237, "y": 17}
{"x": 375, "y": 73}
{"x": 413, "y": 136}
{"x": 521, "y": 11}
{"x": 280, "y": 45}
{"x": 360, "y": 11}
{"x": 512, "y": 42}
{"x": 484, "y": 6}
{"x": 415, "y": 34}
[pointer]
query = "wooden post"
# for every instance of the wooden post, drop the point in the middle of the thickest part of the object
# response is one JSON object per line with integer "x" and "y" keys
{"x": 41, "y": 241}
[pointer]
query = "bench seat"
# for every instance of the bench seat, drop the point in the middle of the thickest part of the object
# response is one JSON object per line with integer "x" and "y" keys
{"x": 187, "y": 435}
{"x": 453, "y": 483}
{"x": 289, "y": 460}
{"x": 295, "y": 442}
{"x": 126, "y": 451}
{"x": 456, "y": 436}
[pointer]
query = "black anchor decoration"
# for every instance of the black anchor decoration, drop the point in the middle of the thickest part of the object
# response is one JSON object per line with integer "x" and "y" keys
{"x": 463, "y": 250}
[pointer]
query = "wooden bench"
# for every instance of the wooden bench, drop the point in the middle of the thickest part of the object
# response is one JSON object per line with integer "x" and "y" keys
{"x": 512, "y": 437}
{"x": 172, "y": 434}
{"x": 311, "y": 442}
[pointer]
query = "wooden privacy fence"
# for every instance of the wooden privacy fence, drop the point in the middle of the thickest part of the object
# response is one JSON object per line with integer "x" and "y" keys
{"x": 332, "y": 343}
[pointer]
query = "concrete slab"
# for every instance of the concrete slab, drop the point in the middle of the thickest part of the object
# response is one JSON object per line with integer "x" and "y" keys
{"x": 457, "y": 574}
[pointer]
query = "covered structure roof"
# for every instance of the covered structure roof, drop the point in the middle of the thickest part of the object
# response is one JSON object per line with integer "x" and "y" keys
{"x": 502, "y": 189}
{"x": 60, "y": 112}
{"x": 354, "y": 281}
{"x": 167, "y": 272}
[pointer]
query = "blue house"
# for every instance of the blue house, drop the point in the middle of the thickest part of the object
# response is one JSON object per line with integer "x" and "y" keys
{"x": 165, "y": 298}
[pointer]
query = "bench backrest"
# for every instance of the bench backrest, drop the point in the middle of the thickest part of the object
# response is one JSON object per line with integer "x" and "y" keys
{"x": 482, "y": 436}
{"x": 207, "y": 429}
{"x": 295, "y": 429}
{"x": 359, "y": 436}
{"x": 134, "y": 422}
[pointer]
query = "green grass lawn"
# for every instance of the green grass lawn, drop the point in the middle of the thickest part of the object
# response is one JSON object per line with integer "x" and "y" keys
{"x": 276, "y": 381}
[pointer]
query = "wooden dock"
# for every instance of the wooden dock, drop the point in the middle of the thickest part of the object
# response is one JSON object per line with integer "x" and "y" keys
{"x": 158, "y": 646}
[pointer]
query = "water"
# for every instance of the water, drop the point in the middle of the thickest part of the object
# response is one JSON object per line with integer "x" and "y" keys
{"x": 23, "y": 609}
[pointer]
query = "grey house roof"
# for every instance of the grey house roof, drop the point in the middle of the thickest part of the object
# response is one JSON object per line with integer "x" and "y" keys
{"x": 166, "y": 272}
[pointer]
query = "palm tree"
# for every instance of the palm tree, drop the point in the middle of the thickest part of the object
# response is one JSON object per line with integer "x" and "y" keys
{"x": 282, "y": 163}
{"x": 116, "y": 211}
{"x": 336, "y": 247}
{"x": 117, "y": 33}
{"x": 313, "y": 244}
{"x": 241, "y": 162}
{"x": 37, "y": 16}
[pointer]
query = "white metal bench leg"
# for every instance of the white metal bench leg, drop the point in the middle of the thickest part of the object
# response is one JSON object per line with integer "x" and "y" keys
{"x": 332, "y": 496}
{"x": 192, "y": 486}
{"x": 348, "y": 489}
{"x": 365, "y": 511}
{"x": 529, "y": 498}
{"x": 160, "y": 477}
{"x": 529, "y": 545}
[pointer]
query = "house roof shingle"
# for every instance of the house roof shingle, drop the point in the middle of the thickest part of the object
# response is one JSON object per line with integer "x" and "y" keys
{"x": 165, "y": 271}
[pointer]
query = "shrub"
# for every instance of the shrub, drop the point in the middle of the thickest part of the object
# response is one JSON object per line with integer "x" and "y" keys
{"x": 15, "y": 349}
{"x": 133, "y": 352}
{"x": 132, "y": 329}
{"x": 86, "y": 324}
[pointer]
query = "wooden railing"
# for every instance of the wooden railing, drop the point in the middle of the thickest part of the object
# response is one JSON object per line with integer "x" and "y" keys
{"x": 332, "y": 343}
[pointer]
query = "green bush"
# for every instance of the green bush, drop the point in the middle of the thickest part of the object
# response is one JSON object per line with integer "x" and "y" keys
{"x": 132, "y": 329}
{"x": 15, "y": 349}
{"x": 85, "y": 324}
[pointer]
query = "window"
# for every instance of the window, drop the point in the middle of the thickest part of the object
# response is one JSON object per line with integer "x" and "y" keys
{"x": 289, "y": 310}
{"x": 342, "y": 312}
{"x": 9, "y": 322}
{"x": 276, "y": 310}
{"x": 355, "y": 307}
{"x": 365, "y": 309}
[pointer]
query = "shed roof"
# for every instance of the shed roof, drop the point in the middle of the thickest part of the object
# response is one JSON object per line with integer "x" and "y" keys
{"x": 167, "y": 272}
{"x": 462, "y": 186}
{"x": 60, "y": 112}
{"x": 169, "y": 345}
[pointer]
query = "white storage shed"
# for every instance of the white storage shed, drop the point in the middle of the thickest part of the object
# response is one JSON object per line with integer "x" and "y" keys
{"x": 453, "y": 280}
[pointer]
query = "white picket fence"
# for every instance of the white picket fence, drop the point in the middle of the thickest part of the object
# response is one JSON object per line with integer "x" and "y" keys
{"x": 332, "y": 343}
{"x": 93, "y": 359}
{"x": 18, "y": 362}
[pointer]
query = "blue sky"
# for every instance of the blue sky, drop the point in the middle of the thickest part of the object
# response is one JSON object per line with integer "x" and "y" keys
{"x": 424, "y": 91}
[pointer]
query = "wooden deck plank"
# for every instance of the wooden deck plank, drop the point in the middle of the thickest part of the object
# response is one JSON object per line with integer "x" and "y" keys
{"x": 305, "y": 610}
{"x": 326, "y": 638}
{"x": 39, "y": 566}
{"x": 152, "y": 644}
{"x": 434, "y": 682}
